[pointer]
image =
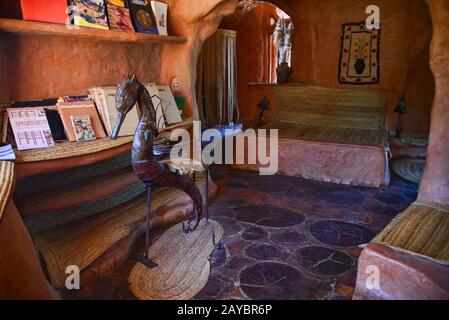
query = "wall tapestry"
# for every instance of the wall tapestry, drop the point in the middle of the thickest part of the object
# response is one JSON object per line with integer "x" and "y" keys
{"x": 360, "y": 55}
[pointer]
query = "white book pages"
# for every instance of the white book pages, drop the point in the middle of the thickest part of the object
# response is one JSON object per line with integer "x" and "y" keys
{"x": 132, "y": 118}
{"x": 160, "y": 11}
{"x": 157, "y": 103}
{"x": 169, "y": 107}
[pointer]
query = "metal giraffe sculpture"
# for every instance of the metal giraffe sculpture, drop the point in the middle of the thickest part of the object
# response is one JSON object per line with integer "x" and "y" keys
{"x": 152, "y": 173}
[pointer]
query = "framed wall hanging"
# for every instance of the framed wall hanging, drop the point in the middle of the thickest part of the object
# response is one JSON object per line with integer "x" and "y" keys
{"x": 360, "y": 55}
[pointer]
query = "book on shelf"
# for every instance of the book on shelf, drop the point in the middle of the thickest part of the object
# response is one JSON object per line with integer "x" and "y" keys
{"x": 55, "y": 123}
{"x": 169, "y": 107}
{"x": 53, "y": 11}
{"x": 104, "y": 98}
{"x": 89, "y": 13}
{"x": 4, "y": 126}
{"x": 82, "y": 108}
{"x": 157, "y": 103}
{"x": 142, "y": 16}
{"x": 7, "y": 153}
{"x": 160, "y": 11}
{"x": 30, "y": 128}
{"x": 73, "y": 98}
{"x": 82, "y": 127}
{"x": 119, "y": 17}
{"x": 51, "y": 112}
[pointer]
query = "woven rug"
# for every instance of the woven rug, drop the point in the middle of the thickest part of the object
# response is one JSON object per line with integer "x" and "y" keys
{"x": 65, "y": 150}
{"x": 6, "y": 183}
{"x": 183, "y": 261}
{"x": 415, "y": 139}
{"x": 422, "y": 229}
{"x": 360, "y": 55}
{"x": 81, "y": 242}
{"x": 410, "y": 169}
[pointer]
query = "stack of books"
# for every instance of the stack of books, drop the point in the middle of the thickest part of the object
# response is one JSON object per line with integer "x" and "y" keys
{"x": 38, "y": 124}
{"x": 124, "y": 15}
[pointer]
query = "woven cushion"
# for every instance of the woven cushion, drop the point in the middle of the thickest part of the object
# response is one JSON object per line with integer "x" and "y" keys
{"x": 422, "y": 229}
{"x": 184, "y": 166}
{"x": 298, "y": 131}
{"x": 6, "y": 183}
{"x": 318, "y": 106}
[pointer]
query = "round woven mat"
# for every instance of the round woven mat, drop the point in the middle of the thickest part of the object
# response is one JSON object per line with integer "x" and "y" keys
{"x": 410, "y": 169}
{"x": 183, "y": 265}
{"x": 415, "y": 139}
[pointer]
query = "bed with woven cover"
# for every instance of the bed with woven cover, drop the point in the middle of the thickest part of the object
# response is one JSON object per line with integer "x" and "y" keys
{"x": 333, "y": 135}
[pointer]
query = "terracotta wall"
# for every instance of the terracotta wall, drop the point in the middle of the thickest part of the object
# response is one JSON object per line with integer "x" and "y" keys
{"x": 405, "y": 42}
{"x": 46, "y": 67}
{"x": 253, "y": 55}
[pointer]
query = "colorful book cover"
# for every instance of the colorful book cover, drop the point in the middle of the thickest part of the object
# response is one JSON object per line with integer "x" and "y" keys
{"x": 69, "y": 109}
{"x": 118, "y": 3}
{"x": 119, "y": 18}
{"x": 30, "y": 127}
{"x": 90, "y": 13}
{"x": 142, "y": 16}
{"x": 160, "y": 11}
{"x": 83, "y": 128}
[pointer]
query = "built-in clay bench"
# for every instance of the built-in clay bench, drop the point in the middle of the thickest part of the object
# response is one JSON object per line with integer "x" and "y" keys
{"x": 410, "y": 257}
{"x": 91, "y": 213}
{"x": 333, "y": 135}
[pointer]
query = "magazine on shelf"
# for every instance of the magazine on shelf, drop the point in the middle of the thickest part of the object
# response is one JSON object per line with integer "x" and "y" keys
{"x": 82, "y": 108}
{"x": 104, "y": 98}
{"x": 89, "y": 13}
{"x": 160, "y": 11}
{"x": 142, "y": 16}
{"x": 82, "y": 128}
{"x": 30, "y": 128}
{"x": 119, "y": 17}
{"x": 7, "y": 153}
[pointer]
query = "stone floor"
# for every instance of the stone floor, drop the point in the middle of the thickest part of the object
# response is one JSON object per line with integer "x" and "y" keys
{"x": 285, "y": 238}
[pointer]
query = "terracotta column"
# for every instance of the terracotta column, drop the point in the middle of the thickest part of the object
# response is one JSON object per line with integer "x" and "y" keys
{"x": 435, "y": 184}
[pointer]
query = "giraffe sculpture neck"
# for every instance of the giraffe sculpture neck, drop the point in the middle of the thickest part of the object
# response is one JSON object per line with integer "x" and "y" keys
{"x": 143, "y": 140}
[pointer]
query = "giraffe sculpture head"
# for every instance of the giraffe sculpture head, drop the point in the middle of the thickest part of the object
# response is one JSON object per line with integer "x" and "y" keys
{"x": 128, "y": 93}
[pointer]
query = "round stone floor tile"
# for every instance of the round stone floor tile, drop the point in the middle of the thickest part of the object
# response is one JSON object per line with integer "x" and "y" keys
{"x": 254, "y": 233}
{"x": 265, "y": 252}
{"x": 269, "y": 216}
{"x": 288, "y": 238}
{"x": 323, "y": 261}
{"x": 273, "y": 281}
{"x": 341, "y": 234}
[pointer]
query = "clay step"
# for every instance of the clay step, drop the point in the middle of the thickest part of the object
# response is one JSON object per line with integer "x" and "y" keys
{"x": 109, "y": 234}
{"x": 77, "y": 194}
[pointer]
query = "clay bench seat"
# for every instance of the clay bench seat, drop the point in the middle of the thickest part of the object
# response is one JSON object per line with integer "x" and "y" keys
{"x": 331, "y": 135}
{"x": 297, "y": 131}
{"x": 412, "y": 254}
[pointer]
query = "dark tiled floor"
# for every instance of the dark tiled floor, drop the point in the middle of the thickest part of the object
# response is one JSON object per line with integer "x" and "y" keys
{"x": 285, "y": 238}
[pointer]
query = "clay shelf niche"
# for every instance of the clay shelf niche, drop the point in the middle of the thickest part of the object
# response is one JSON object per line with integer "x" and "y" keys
{"x": 57, "y": 30}
{"x": 68, "y": 155}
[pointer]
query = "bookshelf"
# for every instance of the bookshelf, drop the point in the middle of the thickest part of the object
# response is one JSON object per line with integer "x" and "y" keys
{"x": 56, "y": 30}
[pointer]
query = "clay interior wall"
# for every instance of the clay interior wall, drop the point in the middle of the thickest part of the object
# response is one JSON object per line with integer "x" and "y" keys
{"x": 405, "y": 42}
